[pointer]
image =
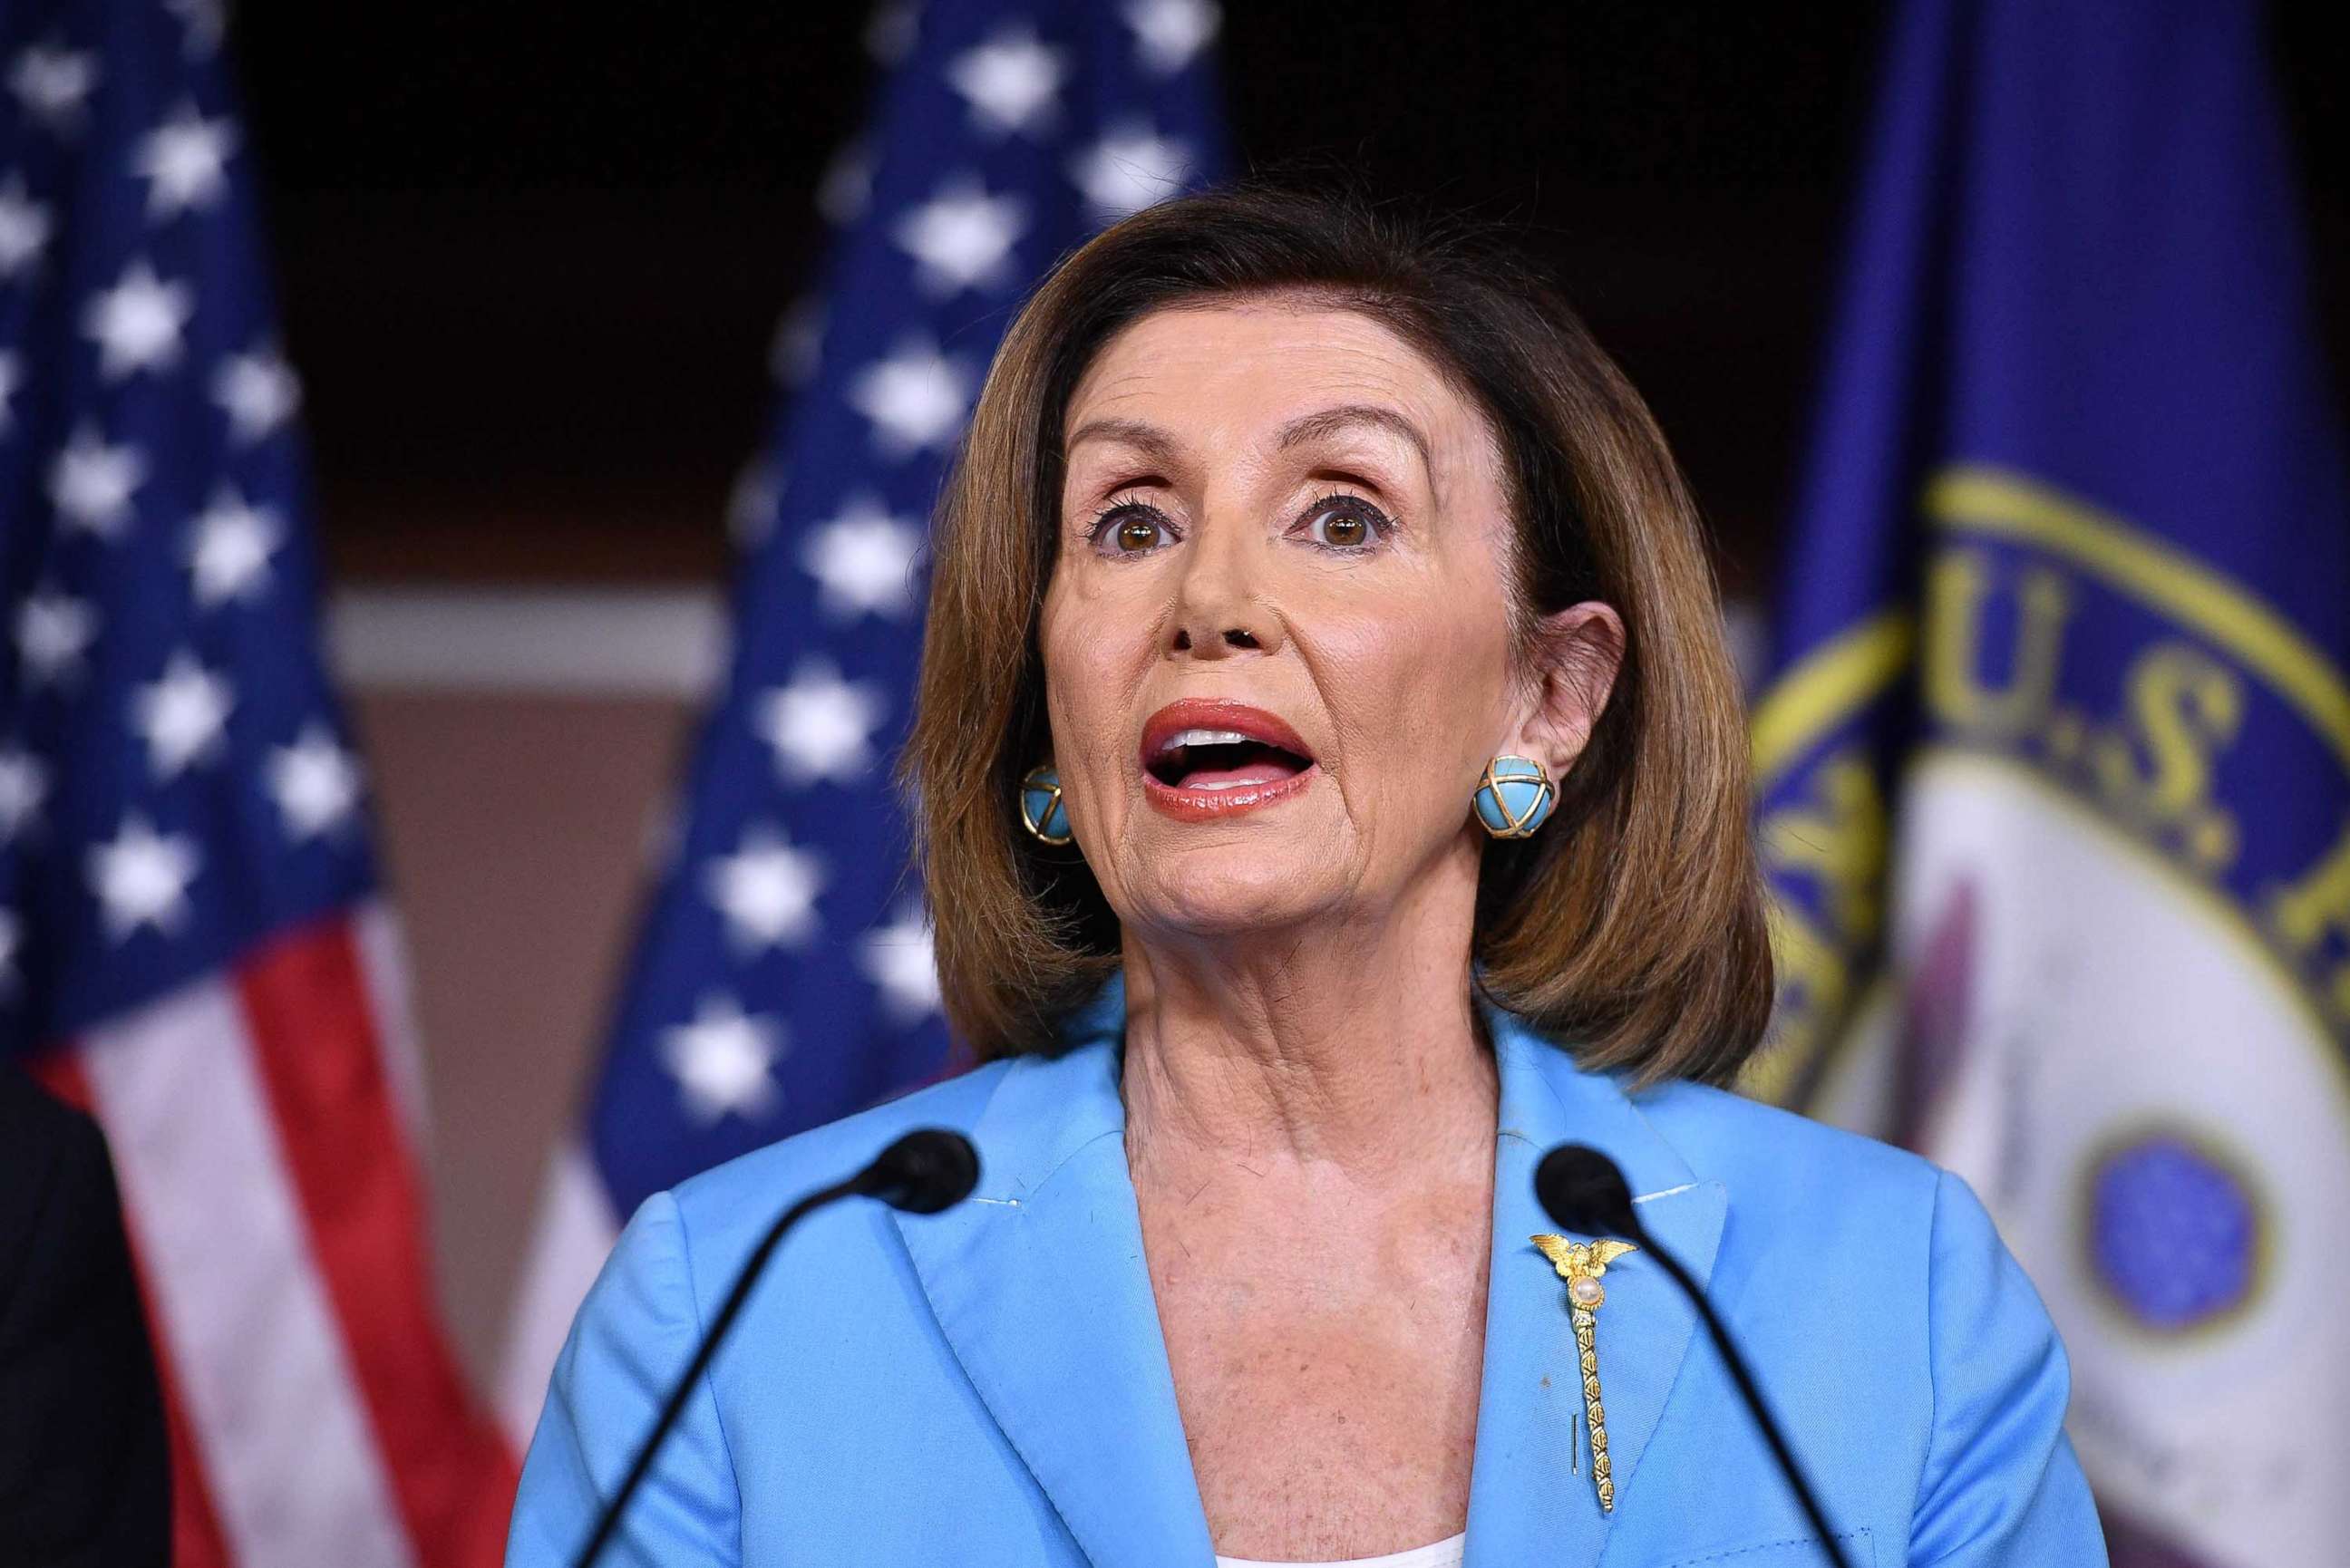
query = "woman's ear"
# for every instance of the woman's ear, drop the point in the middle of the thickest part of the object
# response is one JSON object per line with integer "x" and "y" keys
{"x": 1576, "y": 654}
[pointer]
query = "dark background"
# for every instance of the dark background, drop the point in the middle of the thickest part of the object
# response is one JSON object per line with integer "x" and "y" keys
{"x": 531, "y": 257}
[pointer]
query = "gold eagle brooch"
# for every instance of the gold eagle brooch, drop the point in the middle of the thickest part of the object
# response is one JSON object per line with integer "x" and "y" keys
{"x": 1580, "y": 1264}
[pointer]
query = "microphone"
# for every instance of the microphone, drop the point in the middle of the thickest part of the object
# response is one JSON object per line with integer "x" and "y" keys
{"x": 1582, "y": 1190}
{"x": 925, "y": 1172}
{"x": 921, "y": 1173}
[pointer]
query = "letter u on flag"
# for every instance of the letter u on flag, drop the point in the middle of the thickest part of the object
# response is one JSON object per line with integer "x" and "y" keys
{"x": 2054, "y": 760}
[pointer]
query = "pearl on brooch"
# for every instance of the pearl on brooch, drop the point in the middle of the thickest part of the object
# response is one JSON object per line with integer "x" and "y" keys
{"x": 1586, "y": 1292}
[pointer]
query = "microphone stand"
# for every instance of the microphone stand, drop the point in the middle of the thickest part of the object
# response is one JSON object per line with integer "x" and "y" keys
{"x": 1753, "y": 1395}
{"x": 922, "y": 1173}
{"x": 1582, "y": 1190}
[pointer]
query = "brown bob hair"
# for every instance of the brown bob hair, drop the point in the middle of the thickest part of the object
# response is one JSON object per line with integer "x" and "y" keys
{"x": 1630, "y": 929}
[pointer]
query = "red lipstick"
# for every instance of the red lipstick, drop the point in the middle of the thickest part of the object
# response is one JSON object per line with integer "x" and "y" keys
{"x": 1203, "y": 759}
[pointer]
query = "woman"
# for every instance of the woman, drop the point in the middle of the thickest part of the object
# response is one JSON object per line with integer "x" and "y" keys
{"x": 1331, "y": 785}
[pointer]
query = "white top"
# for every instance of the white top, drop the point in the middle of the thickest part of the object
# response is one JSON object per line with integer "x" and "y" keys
{"x": 1445, "y": 1553}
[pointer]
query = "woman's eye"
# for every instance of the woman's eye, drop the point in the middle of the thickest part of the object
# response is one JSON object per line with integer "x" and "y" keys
{"x": 1129, "y": 530}
{"x": 1345, "y": 522}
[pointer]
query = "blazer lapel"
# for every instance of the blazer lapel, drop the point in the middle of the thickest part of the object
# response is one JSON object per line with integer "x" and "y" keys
{"x": 1527, "y": 1503}
{"x": 1039, "y": 1284}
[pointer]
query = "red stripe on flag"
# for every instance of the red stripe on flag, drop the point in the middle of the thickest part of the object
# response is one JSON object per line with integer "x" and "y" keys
{"x": 306, "y": 1003}
{"x": 196, "y": 1539}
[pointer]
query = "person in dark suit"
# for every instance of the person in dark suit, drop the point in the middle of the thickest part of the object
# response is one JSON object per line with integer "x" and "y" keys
{"x": 84, "y": 1468}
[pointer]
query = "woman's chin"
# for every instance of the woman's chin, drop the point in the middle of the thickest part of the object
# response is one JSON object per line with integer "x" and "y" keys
{"x": 1235, "y": 888}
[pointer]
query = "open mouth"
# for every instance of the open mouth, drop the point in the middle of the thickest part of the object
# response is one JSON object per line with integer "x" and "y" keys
{"x": 1222, "y": 759}
{"x": 1207, "y": 759}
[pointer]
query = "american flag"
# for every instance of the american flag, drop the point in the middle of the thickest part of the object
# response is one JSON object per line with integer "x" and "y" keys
{"x": 784, "y": 976}
{"x": 191, "y": 946}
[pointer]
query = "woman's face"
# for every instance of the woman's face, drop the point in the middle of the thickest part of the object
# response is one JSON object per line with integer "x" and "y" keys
{"x": 1279, "y": 525}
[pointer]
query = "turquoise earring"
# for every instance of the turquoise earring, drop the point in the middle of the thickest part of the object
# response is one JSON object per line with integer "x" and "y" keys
{"x": 1514, "y": 796}
{"x": 1041, "y": 808}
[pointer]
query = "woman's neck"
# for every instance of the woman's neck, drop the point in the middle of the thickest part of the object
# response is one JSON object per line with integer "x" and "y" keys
{"x": 1352, "y": 1045}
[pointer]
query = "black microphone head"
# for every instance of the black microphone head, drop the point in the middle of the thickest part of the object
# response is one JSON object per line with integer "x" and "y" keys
{"x": 1581, "y": 1189}
{"x": 928, "y": 1169}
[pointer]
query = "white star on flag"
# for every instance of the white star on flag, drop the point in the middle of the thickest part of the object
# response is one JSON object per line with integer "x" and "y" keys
{"x": 229, "y": 555}
{"x": 140, "y": 877}
{"x": 916, "y": 399}
{"x": 766, "y": 890}
{"x": 315, "y": 783}
{"x": 259, "y": 392}
{"x": 24, "y": 789}
{"x": 1168, "y": 32}
{"x": 1010, "y": 83}
{"x": 137, "y": 323}
{"x": 961, "y": 238}
{"x": 24, "y": 228}
{"x": 820, "y": 726}
{"x": 181, "y": 715}
{"x": 91, "y": 483}
{"x": 864, "y": 560}
{"x": 53, "y": 632}
{"x": 899, "y": 961}
{"x": 184, "y": 161}
{"x": 847, "y": 188}
{"x": 1129, "y": 170}
{"x": 10, "y": 379}
{"x": 52, "y": 83}
{"x": 722, "y": 1061}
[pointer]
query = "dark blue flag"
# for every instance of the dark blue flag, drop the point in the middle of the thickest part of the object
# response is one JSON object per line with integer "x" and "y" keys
{"x": 2054, "y": 759}
{"x": 785, "y": 976}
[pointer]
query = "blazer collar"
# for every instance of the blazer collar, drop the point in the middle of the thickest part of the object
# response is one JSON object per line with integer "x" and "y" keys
{"x": 1039, "y": 1284}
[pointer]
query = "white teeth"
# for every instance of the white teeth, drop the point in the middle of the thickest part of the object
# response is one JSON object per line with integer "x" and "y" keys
{"x": 1204, "y": 738}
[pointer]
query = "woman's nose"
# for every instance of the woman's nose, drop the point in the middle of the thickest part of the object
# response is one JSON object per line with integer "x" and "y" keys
{"x": 1218, "y": 611}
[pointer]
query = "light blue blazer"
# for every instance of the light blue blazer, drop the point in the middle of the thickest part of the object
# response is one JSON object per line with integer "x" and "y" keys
{"x": 990, "y": 1386}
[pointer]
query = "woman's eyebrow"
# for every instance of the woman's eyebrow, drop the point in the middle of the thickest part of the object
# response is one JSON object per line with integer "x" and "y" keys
{"x": 1149, "y": 440}
{"x": 1161, "y": 447}
{"x": 1310, "y": 427}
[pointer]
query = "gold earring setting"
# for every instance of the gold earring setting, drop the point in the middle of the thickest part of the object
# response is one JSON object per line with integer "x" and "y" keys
{"x": 1042, "y": 810}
